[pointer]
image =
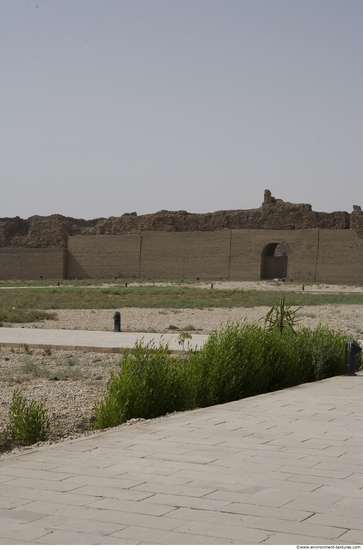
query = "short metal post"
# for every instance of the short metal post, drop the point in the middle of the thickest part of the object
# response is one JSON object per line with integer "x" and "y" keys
{"x": 117, "y": 321}
{"x": 351, "y": 349}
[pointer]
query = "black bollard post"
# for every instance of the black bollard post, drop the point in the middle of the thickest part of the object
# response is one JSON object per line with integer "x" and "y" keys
{"x": 126, "y": 285}
{"x": 117, "y": 321}
{"x": 211, "y": 285}
{"x": 351, "y": 350}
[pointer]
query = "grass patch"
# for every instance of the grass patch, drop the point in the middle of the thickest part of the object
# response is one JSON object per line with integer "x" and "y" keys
{"x": 5, "y": 375}
{"x": 35, "y": 370}
{"x": 68, "y": 373}
{"x": 236, "y": 362}
{"x": 89, "y": 282}
{"x": 71, "y": 361}
{"x": 39, "y": 371}
{"x": 12, "y": 314}
{"x": 28, "y": 302}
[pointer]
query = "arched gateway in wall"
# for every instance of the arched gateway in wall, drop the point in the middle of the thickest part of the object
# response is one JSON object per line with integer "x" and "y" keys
{"x": 274, "y": 261}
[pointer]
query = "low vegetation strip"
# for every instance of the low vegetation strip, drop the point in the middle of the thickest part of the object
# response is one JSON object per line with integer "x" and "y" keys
{"x": 236, "y": 362}
{"x": 14, "y": 315}
{"x": 151, "y": 296}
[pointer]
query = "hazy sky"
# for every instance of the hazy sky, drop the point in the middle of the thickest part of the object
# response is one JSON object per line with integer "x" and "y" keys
{"x": 113, "y": 106}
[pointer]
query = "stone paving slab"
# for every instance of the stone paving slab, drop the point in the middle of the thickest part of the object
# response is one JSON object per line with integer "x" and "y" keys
{"x": 92, "y": 340}
{"x": 279, "y": 468}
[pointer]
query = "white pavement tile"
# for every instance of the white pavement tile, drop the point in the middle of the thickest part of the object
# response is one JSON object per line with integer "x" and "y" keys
{"x": 165, "y": 522}
{"x": 77, "y": 525}
{"x": 26, "y": 483}
{"x": 33, "y": 474}
{"x": 237, "y": 533}
{"x": 285, "y": 466}
{"x": 59, "y": 537}
{"x": 8, "y": 502}
{"x": 20, "y": 516}
{"x": 158, "y": 536}
{"x": 334, "y": 509}
{"x": 208, "y": 516}
{"x": 167, "y": 487}
{"x": 23, "y": 532}
{"x": 4, "y": 478}
{"x": 138, "y": 507}
{"x": 47, "y": 496}
{"x": 297, "y": 528}
{"x": 112, "y": 492}
{"x": 353, "y": 536}
{"x": 242, "y": 508}
{"x": 185, "y": 502}
{"x": 345, "y": 522}
{"x": 114, "y": 482}
{"x": 280, "y": 539}
{"x": 54, "y": 509}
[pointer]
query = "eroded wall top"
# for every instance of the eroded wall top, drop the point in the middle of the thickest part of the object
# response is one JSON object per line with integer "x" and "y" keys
{"x": 274, "y": 214}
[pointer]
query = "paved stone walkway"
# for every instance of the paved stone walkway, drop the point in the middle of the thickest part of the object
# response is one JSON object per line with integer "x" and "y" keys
{"x": 91, "y": 340}
{"x": 279, "y": 468}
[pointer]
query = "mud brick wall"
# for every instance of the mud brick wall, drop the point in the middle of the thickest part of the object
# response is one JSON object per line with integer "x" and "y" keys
{"x": 312, "y": 255}
{"x": 104, "y": 256}
{"x": 247, "y": 246}
{"x": 32, "y": 263}
{"x": 320, "y": 255}
{"x": 185, "y": 255}
{"x": 340, "y": 257}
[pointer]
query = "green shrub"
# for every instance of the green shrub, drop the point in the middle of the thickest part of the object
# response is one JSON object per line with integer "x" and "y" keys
{"x": 243, "y": 360}
{"x": 148, "y": 384}
{"x": 322, "y": 351}
{"x": 281, "y": 316}
{"x": 28, "y": 351}
{"x": 236, "y": 362}
{"x": 28, "y": 423}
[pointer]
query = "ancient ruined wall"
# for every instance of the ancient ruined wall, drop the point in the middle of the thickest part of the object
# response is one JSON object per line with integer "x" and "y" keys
{"x": 273, "y": 214}
{"x": 247, "y": 246}
{"x": 185, "y": 255}
{"x": 340, "y": 257}
{"x": 319, "y": 255}
{"x": 32, "y": 263}
{"x": 151, "y": 254}
{"x": 312, "y": 255}
{"x": 104, "y": 256}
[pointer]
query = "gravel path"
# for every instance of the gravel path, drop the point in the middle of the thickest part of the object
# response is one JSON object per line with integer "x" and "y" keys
{"x": 202, "y": 321}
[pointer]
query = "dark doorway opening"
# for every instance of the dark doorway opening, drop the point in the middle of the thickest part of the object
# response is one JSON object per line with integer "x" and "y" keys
{"x": 274, "y": 261}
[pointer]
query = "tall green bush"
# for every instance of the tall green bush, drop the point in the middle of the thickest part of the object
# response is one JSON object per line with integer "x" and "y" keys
{"x": 238, "y": 361}
{"x": 28, "y": 423}
{"x": 149, "y": 383}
